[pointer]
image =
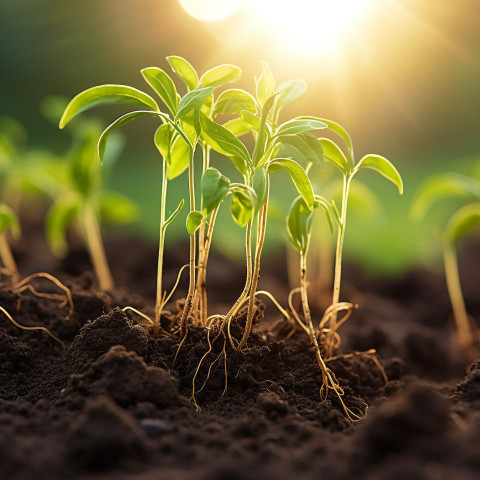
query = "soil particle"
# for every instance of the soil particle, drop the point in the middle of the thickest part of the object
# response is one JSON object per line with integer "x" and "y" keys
{"x": 126, "y": 378}
{"x": 468, "y": 390}
{"x": 104, "y": 436}
{"x": 97, "y": 336}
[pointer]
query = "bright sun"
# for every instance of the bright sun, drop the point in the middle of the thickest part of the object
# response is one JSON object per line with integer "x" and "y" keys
{"x": 312, "y": 26}
{"x": 210, "y": 10}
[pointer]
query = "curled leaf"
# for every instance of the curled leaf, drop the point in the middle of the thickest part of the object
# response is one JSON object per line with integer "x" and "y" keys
{"x": 383, "y": 167}
{"x": 194, "y": 220}
{"x": 184, "y": 71}
{"x": 214, "y": 189}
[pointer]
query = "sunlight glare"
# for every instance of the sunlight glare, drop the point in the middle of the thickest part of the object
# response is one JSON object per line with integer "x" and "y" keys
{"x": 210, "y": 10}
{"x": 312, "y": 26}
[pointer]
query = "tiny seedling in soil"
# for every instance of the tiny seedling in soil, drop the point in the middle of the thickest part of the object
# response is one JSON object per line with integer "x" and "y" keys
{"x": 461, "y": 223}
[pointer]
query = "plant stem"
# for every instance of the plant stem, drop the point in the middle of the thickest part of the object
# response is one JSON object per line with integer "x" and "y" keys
{"x": 193, "y": 248}
{"x": 456, "y": 297}
{"x": 7, "y": 258}
{"x": 95, "y": 247}
{"x": 248, "y": 280}
{"x": 261, "y": 229}
{"x": 338, "y": 267}
{"x": 161, "y": 248}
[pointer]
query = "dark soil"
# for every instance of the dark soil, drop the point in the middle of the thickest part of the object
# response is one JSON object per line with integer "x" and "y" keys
{"x": 115, "y": 405}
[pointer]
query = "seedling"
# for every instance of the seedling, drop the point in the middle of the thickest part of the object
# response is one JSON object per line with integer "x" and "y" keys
{"x": 81, "y": 199}
{"x": 8, "y": 222}
{"x": 256, "y": 168}
{"x": 461, "y": 223}
{"x": 345, "y": 162}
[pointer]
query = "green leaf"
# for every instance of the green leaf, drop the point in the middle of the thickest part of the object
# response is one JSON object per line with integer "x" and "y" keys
{"x": 128, "y": 117}
{"x": 440, "y": 187}
{"x": 250, "y": 120}
{"x": 263, "y": 131}
{"x": 60, "y": 216}
{"x": 243, "y": 205}
{"x": 333, "y": 153}
{"x": 163, "y": 85}
{"x": 222, "y": 140}
{"x": 221, "y": 75}
{"x": 190, "y": 127}
{"x": 8, "y": 219}
{"x": 260, "y": 186}
{"x": 299, "y": 224}
{"x": 178, "y": 160}
{"x": 237, "y": 127}
{"x": 383, "y": 167}
{"x": 462, "y": 222}
{"x": 298, "y": 126}
{"x": 184, "y": 71}
{"x": 106, "y": 95}
{"x": 298, "y": 176}
{"x": 214, "y": 189}
{"x": 234, "y": 101}
{"x": 163, "y": 138}
{"x": 194, "y": 220}
{"x": 117, "y": 208}
{"x": 171, "y": 218}
{"x": 265, "y": 84}
{"x": 290, "y": 91}
{"x": 192, "y": 100}
{"x": 301, "y": 147}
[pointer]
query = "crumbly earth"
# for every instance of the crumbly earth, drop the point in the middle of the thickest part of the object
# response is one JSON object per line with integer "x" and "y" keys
{"x": 116, "y": 405}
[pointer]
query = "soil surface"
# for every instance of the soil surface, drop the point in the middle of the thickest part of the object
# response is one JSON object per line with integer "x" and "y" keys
{"x": 117, "y": 404}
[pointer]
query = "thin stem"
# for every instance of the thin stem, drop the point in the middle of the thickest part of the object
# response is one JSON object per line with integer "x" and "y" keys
{"x": 193, "y": 248}
{"x": 161, "y": 249}
{"x": 338, "y": 266}
{"x": 261, "y": 229}
{"x": 456, "y": 297}
{"x": 7, "y": 258}
{"x": 95, "y": 247}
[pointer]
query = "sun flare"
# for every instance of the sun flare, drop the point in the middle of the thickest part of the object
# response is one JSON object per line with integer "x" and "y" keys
{"x": 312, "y": 26}
{"x": 210, "y": 10}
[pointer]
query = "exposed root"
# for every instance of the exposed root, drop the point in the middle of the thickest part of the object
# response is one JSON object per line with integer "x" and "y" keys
{"x": 140, "y": 314}
{"x": 372, "y": 354}
{"x": 64, "y": 299}
{"x": 23, "y": 327}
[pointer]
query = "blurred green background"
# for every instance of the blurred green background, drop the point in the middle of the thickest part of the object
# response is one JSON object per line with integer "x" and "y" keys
{"x": 405, "y": 82}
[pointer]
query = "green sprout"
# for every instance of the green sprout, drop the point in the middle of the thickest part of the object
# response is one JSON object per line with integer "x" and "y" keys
{"x": 176, "y": 140}
{"x": 8, "y": 222}
{"x": 261, "y": 119}
{"x": 345, "y": 162}
{"x": 81, "y": 199}
{"x": 435, "y": 189}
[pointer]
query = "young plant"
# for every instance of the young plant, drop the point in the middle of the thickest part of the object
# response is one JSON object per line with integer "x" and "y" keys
{"x": 177, "y": 141}
{"x": 8, "y": 222}
{"x": 461, "y": 223}
{"x": 265, "y": 159}
{"x": 345, "y": 162}
{"x": 81, "y": 199}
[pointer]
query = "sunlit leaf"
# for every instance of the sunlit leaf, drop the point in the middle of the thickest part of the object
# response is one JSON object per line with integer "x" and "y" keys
{"x": 260, "y": 187}
{"x": 237, "y": 127}
{"x": 163, "y": 85}
{"x": 298, "y": 126}
{"x": 265, "y": 84}
{"x": 243, "y": 205}
{"x": 234, "y": 101}
{"x": 106, "y": 95}
{"x": 299, "y": 224}
{"x": 8, "y": 219}
{"x": 184, "y": 71}
{"x": 250, "y": 120}
{"x": 302, "y": 147}
{"x": 192, "y": 100}
{"x": 179, "y": 158}
{"x": 383, "y": 167}
{"x": 117, "y": 208}
{"x": 221, "y": 75}
{"x": 298, "y": 176}
{"x": 194, "y": 220}
{"x": 60, "y": 216}
{"x": 222, "y": 140}
{"x": 290, "y": 91}
{"x": 463, "y": 222}
{"x": 214, "y": 189}
{"x": 162, "y": 139}
{"x": 440, "y": 187}
{"x": 333, "y": 153}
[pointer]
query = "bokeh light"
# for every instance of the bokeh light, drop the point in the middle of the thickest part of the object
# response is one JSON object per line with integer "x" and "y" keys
{"x": 210, "y": 10}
